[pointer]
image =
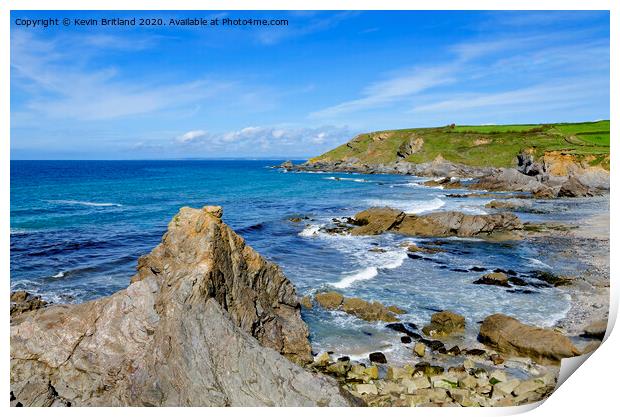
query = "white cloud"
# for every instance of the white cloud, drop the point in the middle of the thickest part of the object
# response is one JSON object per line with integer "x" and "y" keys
{"x": 191, "y": 136}
{"x": 272, "y": 140}
{"x": 63, "y": 86}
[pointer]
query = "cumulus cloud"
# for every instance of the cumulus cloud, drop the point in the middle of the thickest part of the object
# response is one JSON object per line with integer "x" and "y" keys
{"x": 271, "y": 140}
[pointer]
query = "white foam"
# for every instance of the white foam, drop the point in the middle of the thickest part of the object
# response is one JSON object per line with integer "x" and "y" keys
{"x": 59, "y": 275}
{"x": 84, "y": 203}
{"x": 346, "y": 179}
{"x": 411, "y": 206}
{"x": 362, "y": 275}
{"x": 386, "y": 260}
{"x": 310, "y": 231}
{"x": 536, "y": 262}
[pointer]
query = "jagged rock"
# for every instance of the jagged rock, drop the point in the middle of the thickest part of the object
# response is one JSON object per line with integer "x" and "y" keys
{"x": 287, "y": 165}
{"x": 375, "y": 221}
{"x": 22, "y": 301}
{"x": 574, "y": 188}
{"x": 203, "y": 323}
{"x": 494, "y": 278}
{"x": 508, "y": 179}
{"x": 443, "y": 323}
{"x": 508, "y": 335}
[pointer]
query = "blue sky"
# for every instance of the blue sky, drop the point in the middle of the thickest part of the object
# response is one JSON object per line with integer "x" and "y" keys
{"x": 299, "y": 90}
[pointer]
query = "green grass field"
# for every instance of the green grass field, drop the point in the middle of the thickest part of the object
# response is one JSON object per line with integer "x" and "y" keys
{"x": 488, "y": 145}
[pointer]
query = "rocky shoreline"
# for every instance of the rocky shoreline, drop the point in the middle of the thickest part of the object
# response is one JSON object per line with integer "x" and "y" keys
{"x": 554, "y": 176}
{"x": 228, "y": 310}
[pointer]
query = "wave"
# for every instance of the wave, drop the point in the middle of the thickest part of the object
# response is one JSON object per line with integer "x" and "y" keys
{"x": 84, "y": 203}
{"x": 412, "y": 207}
{"x": 392, "y": 260}
{"x": 536, "y": 262}
{"x": 309, "y": 231}
{"x": 61, "y": 274}
{"x": 363, "y": 275}
{"x": 347, "y": 179}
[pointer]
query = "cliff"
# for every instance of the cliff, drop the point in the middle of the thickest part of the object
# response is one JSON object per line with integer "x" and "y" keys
{"x": 205, "y": 322}
{"x": 476, "y": 146}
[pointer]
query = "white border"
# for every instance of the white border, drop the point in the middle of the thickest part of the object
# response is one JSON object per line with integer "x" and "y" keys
{"x": 593, "y": 388}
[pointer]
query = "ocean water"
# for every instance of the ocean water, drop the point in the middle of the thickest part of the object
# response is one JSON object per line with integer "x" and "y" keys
{"x": 78, "y": 227}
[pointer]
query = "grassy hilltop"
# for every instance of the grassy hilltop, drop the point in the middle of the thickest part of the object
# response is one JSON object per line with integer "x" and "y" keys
{"x": 495, "y": 145}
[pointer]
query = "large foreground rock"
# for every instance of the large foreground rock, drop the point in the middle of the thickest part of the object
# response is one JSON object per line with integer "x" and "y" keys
{"x": 508, "y": 335}
{"x": 378, "y": 220}
{"x": 205, "y": 321}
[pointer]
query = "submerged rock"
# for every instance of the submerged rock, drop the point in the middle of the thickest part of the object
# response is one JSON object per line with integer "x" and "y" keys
{"x": 205, "y": 321}
{"x": 375, "y": 221}
{"x": 508, "y": 335}
{"x": 494, "y": 278}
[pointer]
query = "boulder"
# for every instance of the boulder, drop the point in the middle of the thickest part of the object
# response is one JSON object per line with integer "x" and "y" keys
{"x": 508, "y": 335}
{"x": 377, "y": 357}
{"x": 574, "y": 188}
{"x": 596, "y": 330}
{"x": 444, "y": 323}
{"x": 329, "y": 300}
{"x": 419, "y": 349}
{"x": 376, "y": 220}
{"x": 287, "y": 165}
{"x": 369, "y": 311}
{"x": 205, "y": 322}
{"x": 494, "y": 278}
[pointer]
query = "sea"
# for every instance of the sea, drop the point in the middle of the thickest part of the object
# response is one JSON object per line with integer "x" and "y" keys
{"x": 78, "y": 228}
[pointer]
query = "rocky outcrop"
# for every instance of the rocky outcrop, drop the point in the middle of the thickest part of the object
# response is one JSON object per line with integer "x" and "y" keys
{"x": 375, "y": 221}
{"x": 365, "y": 310}
{"x": 439, "y": 167}
{"x": 204, "y": 322}
{"x": 508, "y": 335}
{"x": 574, "y": 188}
{"x": 22, "y": 301}
{"x": 494, "y": 278}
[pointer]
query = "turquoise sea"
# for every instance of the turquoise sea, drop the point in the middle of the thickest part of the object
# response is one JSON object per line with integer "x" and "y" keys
{"x": 78, "y": 228}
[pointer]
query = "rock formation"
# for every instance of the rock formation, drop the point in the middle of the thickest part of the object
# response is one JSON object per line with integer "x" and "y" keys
{"x": 22, "y": 301}
{"x": 369, "y": 311}
{"x": 444, "y": 323}
{"x": 375, "y": 221}
{"x": 205, "y": 321}
{"x": 508, "y": 335}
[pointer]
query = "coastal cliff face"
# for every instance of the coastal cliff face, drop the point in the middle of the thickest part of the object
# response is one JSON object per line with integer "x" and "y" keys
{"x": 204, "y": 322}
{"x": 526, "y": 158}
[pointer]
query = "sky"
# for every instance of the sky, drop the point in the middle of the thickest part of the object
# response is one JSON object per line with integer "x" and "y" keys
{"x": 294, "y": 91}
